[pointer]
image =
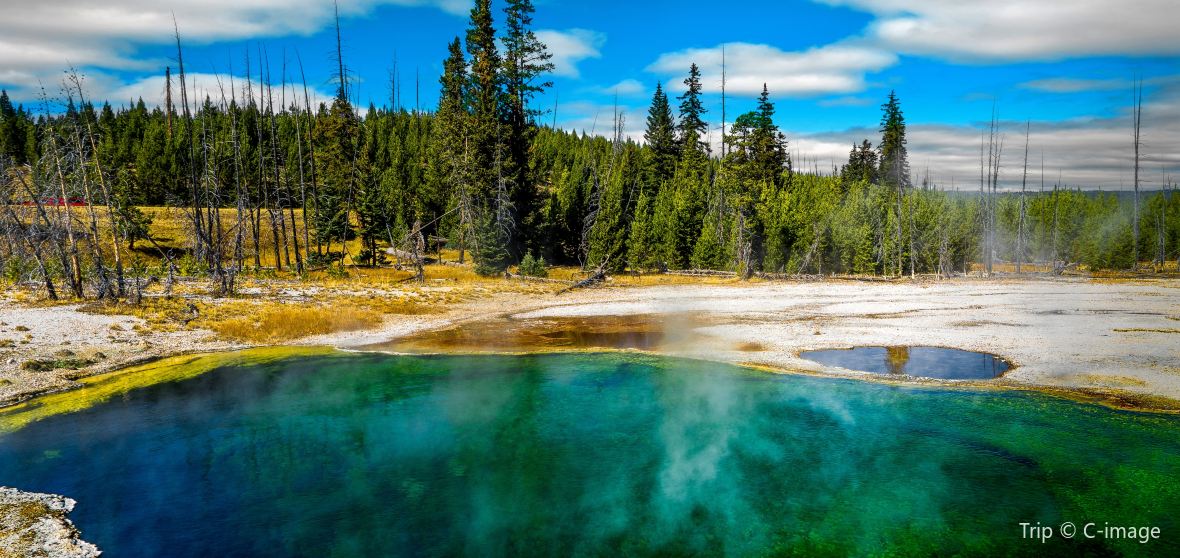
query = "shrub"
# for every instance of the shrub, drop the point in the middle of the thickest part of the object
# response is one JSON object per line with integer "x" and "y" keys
{"x": 321, "y": 260}
{"x": 533, "y": 267}
{"x": 189, "y": 266}
{"x": 47, "y": 365}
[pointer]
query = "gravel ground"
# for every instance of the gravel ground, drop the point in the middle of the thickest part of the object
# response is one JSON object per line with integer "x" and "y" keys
{"x": 1060, "y": 334}
{"x": 35, "y": 526}
{"x": 1068, "y": 334}
{"x": 89, "y": 343}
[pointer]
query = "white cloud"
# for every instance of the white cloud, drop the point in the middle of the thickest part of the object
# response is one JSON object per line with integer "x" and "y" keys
{"x": 201, "y": 85}
{"x": 101, "y": 87}
{"x": 1008, "y": 30}
{"x": 1075, "y": 85}
{"x": 832, "y": 69}
{"x": 625, "y": 88}
{"x": 1092, "y": 152}
{"x": 571, "y": 46}
{"x": 598, "y": 119}
{"x": 39, "y": 38}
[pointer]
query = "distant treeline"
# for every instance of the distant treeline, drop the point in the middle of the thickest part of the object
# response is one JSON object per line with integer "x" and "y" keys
{"x": 481, "y": 173}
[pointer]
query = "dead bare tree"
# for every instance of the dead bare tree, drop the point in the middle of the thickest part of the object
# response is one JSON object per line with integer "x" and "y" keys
{"x": 995, "y": 150}
{"x": 945, "y": 263}
{"x": 1161, "y": 237}
{"x": 196, "y": 205}
{"x": 1023, "y": 187}
{"x": 103, "y": 287}
{"x": 239, "y": 187}
{"x": 270, "y": 188}
{"x": 18, "y": 228}
{"x": 723, "y": 80}
{"x": 466, "y": 201}
{"x": 1056, "y": 252}
{"x": 253, "y": 213}
{"x": 983, "y": 196}
{"x": 314, "y": 195}
{"x": 290, "y": 203}
{"x": 900, "y": 215}
{"x": 210, "y": 191}
{"x": 1137, "y": 117}
{"x": 64, "y": 215}
{"x": 51, "y": 232}
{"x": 418, "y": 243}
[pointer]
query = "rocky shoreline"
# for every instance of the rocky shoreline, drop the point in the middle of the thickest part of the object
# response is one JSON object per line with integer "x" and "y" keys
{"x": 1111, "y": 343}
{"x": 36, "y": 525}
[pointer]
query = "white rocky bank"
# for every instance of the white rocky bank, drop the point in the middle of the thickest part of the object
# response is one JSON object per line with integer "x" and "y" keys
{"x": 35, "y": 526}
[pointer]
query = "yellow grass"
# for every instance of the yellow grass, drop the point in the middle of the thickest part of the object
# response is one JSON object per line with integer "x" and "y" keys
{"x": 284, "y": 322}
{"x": 263, "y": 321}
{"x": 171, "y": 229}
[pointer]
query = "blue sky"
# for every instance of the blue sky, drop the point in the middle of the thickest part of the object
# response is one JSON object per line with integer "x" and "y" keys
{"x": 1066, "y": 66}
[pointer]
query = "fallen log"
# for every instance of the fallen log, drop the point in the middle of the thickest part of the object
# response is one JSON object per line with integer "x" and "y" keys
{"x": 530, "y": 278}
{"x": 789, "y": 276}
{"x": 701, "y": 273}
{"x": 599, "y": 276}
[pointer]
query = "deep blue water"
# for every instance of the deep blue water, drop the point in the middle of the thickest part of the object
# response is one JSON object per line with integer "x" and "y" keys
{"x": 590, "y": 455}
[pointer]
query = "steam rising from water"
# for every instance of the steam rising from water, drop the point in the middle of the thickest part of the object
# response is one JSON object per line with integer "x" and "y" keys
{"x": 584, "y": 455}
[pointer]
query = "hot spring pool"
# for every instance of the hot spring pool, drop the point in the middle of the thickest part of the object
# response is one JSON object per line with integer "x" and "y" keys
{"x": 924, "y": 362}
{"x": 589, "y": 455}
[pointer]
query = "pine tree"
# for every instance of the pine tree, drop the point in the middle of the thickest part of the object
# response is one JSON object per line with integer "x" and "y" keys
{"x": 713, "y": 247}
{"x": 895, "y": 166}
{"x": 490, "y": 185}
{"x": 449, "y": 170}
{"x": 484, "y": 92}
{"x": 665, "y": 226}
{"x": 769, "y": 144}
{"x": 757, "y": 149}
{"x": 608, "y": 236}
{"x": 336, "y": 163}
{"x": 131, "y": 222}
{"x": 640, "y": 248}
{"x": 13, "y": 142}
{"x": 661, "y": 138}
{"x": 693, "y": 129}
{"x": 491, "y": 246}
{"x": 756, "y": 166}
{"x": 525, "y": 60}
{"x": 861, "y": 166}
{"x": 688, "y": 214}
{"x": 373, "y": 201}
{"x": 679, "y": 231}
{"x": 156, "y": 165}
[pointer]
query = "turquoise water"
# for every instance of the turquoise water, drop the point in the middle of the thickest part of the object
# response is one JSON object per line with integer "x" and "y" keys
{"x": 591, "y": 455}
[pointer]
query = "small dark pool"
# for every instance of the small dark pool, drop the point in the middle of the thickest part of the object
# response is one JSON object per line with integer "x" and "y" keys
{"x": 926, "y": 362}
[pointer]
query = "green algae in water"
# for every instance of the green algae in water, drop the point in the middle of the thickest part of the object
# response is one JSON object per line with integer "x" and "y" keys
{"x": 590, "y": 455}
